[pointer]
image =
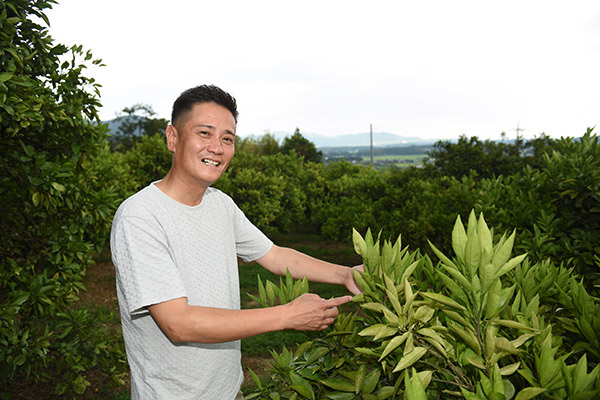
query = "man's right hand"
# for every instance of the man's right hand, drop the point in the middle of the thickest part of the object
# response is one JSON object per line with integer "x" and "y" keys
{"x": 310, "y": 312}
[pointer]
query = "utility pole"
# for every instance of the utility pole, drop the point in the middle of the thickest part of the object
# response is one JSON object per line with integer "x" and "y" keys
{"x": 518, "y": 141}
{"x": 371, "y": 129}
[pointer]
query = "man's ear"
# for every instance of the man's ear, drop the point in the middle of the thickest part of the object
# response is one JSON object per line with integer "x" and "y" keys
{"x": 171, "y": 134}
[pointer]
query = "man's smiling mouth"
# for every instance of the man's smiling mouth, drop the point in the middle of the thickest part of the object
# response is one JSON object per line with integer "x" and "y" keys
{"x": 210, "y": 162}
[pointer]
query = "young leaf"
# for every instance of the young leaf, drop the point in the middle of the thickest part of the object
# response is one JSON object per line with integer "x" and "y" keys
{"x": 459, "y": 239}
{"x": 393, "y": 345}
{"x": 410, "y": 358}
{"x": 360, "y": 246}
{"x": 370, "y": 381}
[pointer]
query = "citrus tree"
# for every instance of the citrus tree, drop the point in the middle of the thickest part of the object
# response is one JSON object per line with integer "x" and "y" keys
{"x": 56, "y": 206}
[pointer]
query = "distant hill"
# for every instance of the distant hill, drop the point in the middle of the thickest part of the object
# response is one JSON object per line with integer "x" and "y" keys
{"x": 357, "y": 139}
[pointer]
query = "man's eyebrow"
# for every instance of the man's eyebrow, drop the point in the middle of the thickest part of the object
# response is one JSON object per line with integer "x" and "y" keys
{"x": 203, "y": 126}
{"x": 209, "y": 126}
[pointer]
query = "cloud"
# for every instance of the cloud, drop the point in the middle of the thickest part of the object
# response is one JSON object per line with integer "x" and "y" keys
{"x": 430, "y": 69}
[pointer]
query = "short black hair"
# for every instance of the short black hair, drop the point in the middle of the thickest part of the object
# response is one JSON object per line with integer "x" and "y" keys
{"x": 203, "y": 94}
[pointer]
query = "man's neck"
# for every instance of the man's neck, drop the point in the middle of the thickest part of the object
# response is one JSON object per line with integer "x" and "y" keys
{"x": 183, "y": 192}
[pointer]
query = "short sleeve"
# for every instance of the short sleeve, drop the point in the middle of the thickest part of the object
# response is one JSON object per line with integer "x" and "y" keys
{"x": 251, "y": 243}
{"x": 145, "y": 269}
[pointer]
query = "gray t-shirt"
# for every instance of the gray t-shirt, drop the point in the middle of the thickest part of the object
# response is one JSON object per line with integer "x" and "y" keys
{"x": 163, "y": 250}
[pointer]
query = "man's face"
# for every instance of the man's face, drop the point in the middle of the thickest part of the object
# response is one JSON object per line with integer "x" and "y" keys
{"x": 203, "y": 144}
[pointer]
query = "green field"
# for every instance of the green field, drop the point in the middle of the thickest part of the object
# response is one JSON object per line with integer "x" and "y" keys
{"x": 397, "y": 159}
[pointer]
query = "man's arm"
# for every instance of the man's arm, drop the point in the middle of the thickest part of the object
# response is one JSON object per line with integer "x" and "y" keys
{"x": 182, "y": 322}
{"x": 279, "y": 259}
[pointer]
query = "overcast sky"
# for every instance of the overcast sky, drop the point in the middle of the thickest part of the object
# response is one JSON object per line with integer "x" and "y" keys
{"x": 429, "y": 69}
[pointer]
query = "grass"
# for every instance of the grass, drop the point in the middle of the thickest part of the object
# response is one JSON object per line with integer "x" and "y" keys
{"x": 100, "y": 293}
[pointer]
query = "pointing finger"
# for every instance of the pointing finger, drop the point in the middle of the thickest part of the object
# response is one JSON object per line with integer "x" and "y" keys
{"x": 338, "y": 301}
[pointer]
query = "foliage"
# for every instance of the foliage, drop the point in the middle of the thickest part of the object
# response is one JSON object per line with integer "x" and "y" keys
{"x": 264, "y": 145}
{"x": 557, "y": 207}
{"x": 135, "y": 122}
{"x": 147, "y": 161}
{"x": 56, "y": 206}
{"x": 302, "y": 147}
{"x": 346, "y": 198}
{"x": 477, "y": 328}
{"x": 487, "y": 158}
{"x": 268, "y": 188}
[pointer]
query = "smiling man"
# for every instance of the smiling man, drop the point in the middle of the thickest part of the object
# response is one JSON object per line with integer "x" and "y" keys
{"x": 175, "y": 246}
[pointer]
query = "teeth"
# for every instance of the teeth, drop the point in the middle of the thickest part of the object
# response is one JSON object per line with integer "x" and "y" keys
{"x": 210, "y": 162}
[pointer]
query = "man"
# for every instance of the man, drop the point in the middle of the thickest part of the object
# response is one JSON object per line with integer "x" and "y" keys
{"x": 175, "y": 246}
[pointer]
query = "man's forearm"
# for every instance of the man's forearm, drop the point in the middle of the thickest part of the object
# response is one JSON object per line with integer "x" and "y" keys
{"x": 182, "y": 322}
{"x": 301, "y": 265}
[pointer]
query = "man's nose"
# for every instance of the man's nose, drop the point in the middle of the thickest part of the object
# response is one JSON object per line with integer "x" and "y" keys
{"x": 215, "y": 146}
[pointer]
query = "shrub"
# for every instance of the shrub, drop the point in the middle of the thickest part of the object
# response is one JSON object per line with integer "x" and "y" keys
{"x": 479, "y": 328}
{"x": 557, "y": 208}
{"x": 269, "y": 189}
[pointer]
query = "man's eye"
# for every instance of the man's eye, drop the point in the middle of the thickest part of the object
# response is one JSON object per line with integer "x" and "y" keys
{"x": 229, "y": 140}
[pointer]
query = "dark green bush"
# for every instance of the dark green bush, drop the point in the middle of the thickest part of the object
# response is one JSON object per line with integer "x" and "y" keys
{"x": 56, "y": 207}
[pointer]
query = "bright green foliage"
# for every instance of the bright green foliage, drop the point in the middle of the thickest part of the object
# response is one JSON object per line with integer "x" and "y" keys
{"x": 56, "y": 206}
{"x": 468, "y": 331}
{"x": 269, "y": 294}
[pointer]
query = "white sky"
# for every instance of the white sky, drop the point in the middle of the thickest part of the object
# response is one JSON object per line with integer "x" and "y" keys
{"x": 429, "y": 69}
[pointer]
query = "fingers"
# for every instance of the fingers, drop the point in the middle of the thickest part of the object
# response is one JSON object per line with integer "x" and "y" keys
{"x": 311, "y": 312}
{"x": 338, "y": 301}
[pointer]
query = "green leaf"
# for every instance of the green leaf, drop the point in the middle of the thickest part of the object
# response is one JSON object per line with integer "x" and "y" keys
{"x": 444, "y": 300}
{"x": 459, "y": 239}
{"x": 393, "y": 345}
{"x": 529, "y": 393}
{"x": 502, "y": 253}
{"x": 337, "y": 383}
{"x": 58, "y": 187}
{"x": 5, "y": 76}
{"x": 468, "y": 337}
{"x": 360, "y": 246}
{"x": 371, "y": 381}
{"x": 360, "y": 378}
{"x": 510, "y": 369}
{"x": 413, "y": 386}
{"x": 485, "y": 239}
{"x": 512, "y": 324}
{"x": 476, "y": 361}
{"x": 378, "y": 307}
{"x": 472, "y": 250}
{"x": 458, "y": 276}
{"x": 371, "y": 330}
{"x": 510, "y": 265}
{"x": 410, "y": 358}
{"x": 424, "y": 314}
{"x": 302, "y": 386}
{"x": 255, "y": 378}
